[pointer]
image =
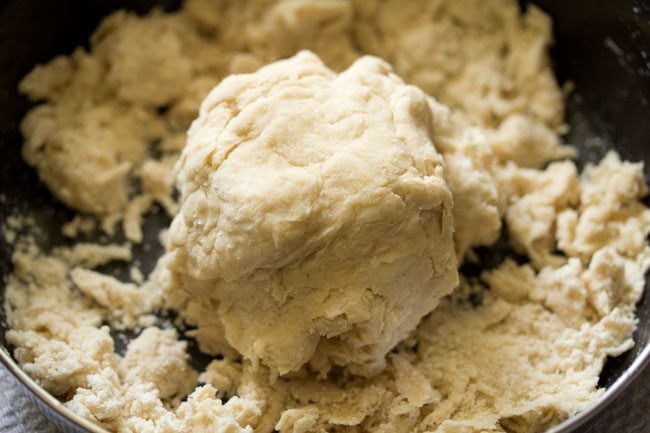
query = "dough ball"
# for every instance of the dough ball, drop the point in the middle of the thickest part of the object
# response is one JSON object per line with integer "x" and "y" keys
{"x": 315, "y": 222}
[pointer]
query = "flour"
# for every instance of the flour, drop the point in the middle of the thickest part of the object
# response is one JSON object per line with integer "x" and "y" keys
{"x": 482, "y": 125}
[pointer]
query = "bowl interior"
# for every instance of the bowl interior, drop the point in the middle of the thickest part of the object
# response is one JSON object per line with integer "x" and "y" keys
{"x": 602, "y": 47}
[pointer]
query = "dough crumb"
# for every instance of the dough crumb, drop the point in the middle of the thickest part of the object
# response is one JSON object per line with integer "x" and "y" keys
{"x": 157, "y": 357}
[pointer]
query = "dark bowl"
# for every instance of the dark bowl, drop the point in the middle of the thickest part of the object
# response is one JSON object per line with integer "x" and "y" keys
{"x": 602, "y": 46}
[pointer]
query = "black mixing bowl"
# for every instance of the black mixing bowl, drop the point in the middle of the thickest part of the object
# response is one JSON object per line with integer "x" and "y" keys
{"x": 602, "y": 46}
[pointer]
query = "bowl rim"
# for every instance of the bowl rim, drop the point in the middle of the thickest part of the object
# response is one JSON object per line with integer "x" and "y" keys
{"x": 569, "y": 425}
{"x": 45, "y": 397}
{"x": 640, "y": 363}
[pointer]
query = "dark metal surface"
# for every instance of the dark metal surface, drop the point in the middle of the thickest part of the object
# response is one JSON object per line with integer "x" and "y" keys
{"x": 603, "y": 47}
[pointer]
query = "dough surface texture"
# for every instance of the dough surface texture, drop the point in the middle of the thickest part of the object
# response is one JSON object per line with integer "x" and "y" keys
{"x": 324, "y": 209}
{"x": 315, "y": 220}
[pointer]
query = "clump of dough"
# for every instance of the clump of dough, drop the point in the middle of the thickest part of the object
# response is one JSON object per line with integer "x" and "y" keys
{"x": 535, "y": 198}
{"x": 315, "y": 221}
{"x": 101, "y": 115}
{"x": 320, "y": 26}
{"x": 86, "y": 156}
{"x": 172, "y": 376}
{"x": 610, "y": 213}
{"x": 486, "y": 59}
{"x": 527, "y": 143}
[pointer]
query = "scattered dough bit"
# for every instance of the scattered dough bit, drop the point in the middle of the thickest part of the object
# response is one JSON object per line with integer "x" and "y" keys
{"x": 472, "y": 175}
{"x": 136, "y": 275}
{"x": 101, "y": 400}
{"x": 157, "y": 357}
{"x": 224, "y": 375}
{"x": 476, "y": 198}
{"x": 57, "y": 334}
{"x": 14, "y": 225}
{"x": 132, "y": 224}
{"x": 79, "y": 225}
{"x": 100, "y": 119}
{"x": 91, "y": 255}
{"x": 124, "y": 302}
{"x": 314, "y": 216}
{"x": 153, "y": 72}
{"x": 204, "y": 413}
{"x": 157, "y": 181}
{"x": 57, "y": 330}
{"x": 536, "y": 197}
{"x": 610, "y": 211}
{"x": 527, "y": 142}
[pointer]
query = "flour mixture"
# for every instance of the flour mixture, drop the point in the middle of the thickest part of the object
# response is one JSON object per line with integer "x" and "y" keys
{"x": 328, "y": 166}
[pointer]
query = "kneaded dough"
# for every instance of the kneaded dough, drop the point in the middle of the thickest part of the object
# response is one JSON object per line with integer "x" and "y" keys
{"x": 315, "y": 222}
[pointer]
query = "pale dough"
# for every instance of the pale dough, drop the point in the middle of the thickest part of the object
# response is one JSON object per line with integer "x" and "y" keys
{"x": 315, "y": 221}
{"x": 118, "y": 112}
{"x": 486, "y": 59}
{"x": 130, "y": 99}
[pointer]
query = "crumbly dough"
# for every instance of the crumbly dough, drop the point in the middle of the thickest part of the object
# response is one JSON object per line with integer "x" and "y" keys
{"x": 527, "y": 143}
{"x": 455, "y": 372}
{"x": 535, "y": 198}
{"x": 610, "y": 211}
{"x": 134, "y": 99}
{"x": 315, "y": 221}
{"x": 111, "y": 125}
{"x": 486, "y": 59}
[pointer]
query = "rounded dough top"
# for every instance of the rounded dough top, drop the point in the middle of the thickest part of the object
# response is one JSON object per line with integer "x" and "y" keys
{"x": 315, "y": 222}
